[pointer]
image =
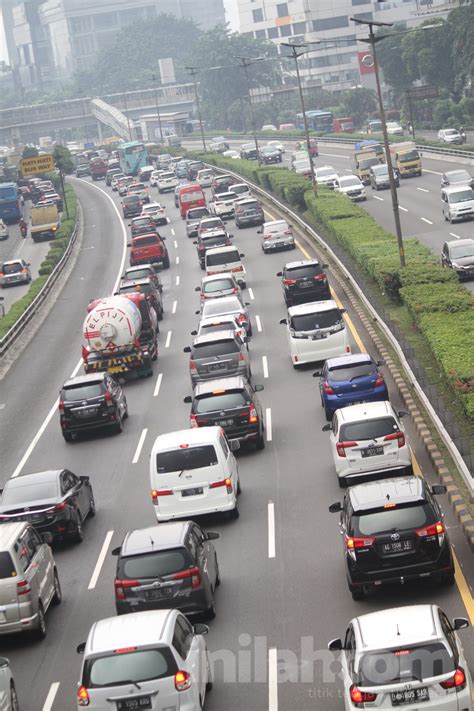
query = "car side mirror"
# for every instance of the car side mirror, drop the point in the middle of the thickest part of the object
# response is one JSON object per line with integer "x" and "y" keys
{"x": 201, "y": 629}
{"x": 194, "y": 241}
{"x": 258, "y": 388}
{"x": 212, "y": 535}
{"x": 327, "y": 427}
{"x": 325, "y": 266}
{"x": 241, "y": 255}
{"x": 198, "y": 288}
{"x": 129, "y": 224}
{"x": 402, "y": 413}
{"x": 380, "y": 363}
{"x": 283, "y": 321}
{"x": 188, "y": 399}
{"x": 343, "y": 311}
{"x": 279, "y": 274}
{"x": 116, "y": 551}
{"x": 187, "y": 349}
{"x": 460, "y": 623}
{"x": 194, "y": 333}
{"x": 197, "y": 313}
{"x": 335, "y": 508}
{"x": 335, "y": 645}
{"x": 317, "y": 374}
{"x": 47, "y": 538}
{"x": 232, "y": 237}
{"x": 437, "y": 489}
{"x": 234, "y": 445}
{"x": 259, "y": 232}
{"x": 129, "y": 244}
{"x": 4, "y": 663}
{"x": 80, "y": 648}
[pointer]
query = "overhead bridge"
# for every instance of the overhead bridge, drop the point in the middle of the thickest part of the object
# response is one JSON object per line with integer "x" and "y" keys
{"x": 108, "y": 115}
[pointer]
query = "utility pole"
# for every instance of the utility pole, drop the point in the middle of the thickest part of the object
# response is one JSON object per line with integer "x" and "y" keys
{"x": 155, "y": 79}
{"x": 245, "y": 62}
{"x": 410, "y": 110}
{"x": 193, "y": 71}
{"x": 126, "y": 114}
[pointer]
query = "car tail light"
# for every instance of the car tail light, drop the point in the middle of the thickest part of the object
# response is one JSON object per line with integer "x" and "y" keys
{"x": 192, "y": 573}
{"x": 320, "y": 277}
{"x": 359, "y": 698}
{"x": 193, "y": 421}
{"x": 327, "y": 388}
{"x": 353, "y": 543}
{"x": 23, "y": 587}
{"x": 380, "y": 381}
{"x": 398, "y": 436}
{"x": 342, "y": 446}
{"x": 121, "y": 584}
{"x": 457, "y": 681}
{"x": 288, "y": 282}
{"x": 192, "y": 365}
{"x": 235, "y": 290}
{"x": 241, "y": 319}
{"x": 435, "y": 529}
{"x": 241, "y": 356}
{"x": 253, "y": 417}
{"x": 83, "y": 696}
{"x": 61, "y": 406}
{"x": 223, "y": 482}
{"x": 156, "y": 493}
{"x": 182, "y": 680}
{"x": 61, "y": 506}
{"x": 108, "y": 396}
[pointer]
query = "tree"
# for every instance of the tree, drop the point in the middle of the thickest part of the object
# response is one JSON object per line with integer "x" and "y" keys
{"x": 63, "y": 159}
{"x": 29, "y": 152}
{"x": 390, "y": 58}
{"x": 359, "y": 103}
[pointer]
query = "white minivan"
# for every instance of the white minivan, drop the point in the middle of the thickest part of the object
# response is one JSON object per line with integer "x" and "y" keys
{"x": 225, "y": 259}
{"x": 457, "y": 203}
{"x": 194, "y": 472}
{"x": 316, "y": 331}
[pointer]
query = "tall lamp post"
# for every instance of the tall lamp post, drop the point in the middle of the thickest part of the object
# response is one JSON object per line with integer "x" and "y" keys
{"x": 126, "y": 114}
{"x": 372, "y": 40}
{"x": 245, "y": 62}
{"x": 193, "y": 71}
{"x": 155, "y": 79}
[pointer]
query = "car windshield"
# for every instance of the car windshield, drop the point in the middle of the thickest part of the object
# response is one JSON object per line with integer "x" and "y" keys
{"x": 380, "y": 170}
{"x": 131, "y": 199}
{"x": 155, "y": 564}
{"x": 82, "y": 392}
{"x": 218, "y": 326}
{"x": 218, "y": 285}
{"x": 139, "y": 273}
{"x": 137, "y": 186}
{"x": 130, "y": 288}
{"x": 451, "y": 132}
{"x": 211, "y": 224}
{"x": 408, "y": 156}
{"x": 197, "y": 212}
{"x": 458, "y": 176}
{"x": 142, "y": 222}
{"x": 368, "y": 429}
{"x": 349, "y": 182}
{"x": 351, "y": 372}
{"x": 368, "y": 162}
{"x": 253, "y": 205}
{"x": 7, "y": 569}
{"x": 184, "y": 459}
{"x": 227, "y": 401}
{"x": 16, "y": 494}
{"x": 301, "y": 164}
{"x": 217, "y": 241}
{"x": 11, "y": 268}
{"x": 325, "y": 172}
{"x": 223, "y": 258}
{"x": 276, "y": 227}
{"x": 316, "y": 320}
{"x": 144, "y": 241}
{"x": 303, "y": 271}
{"x": 191, "y": 196}
{"x": 167, "y": 176}
{"x": 466, "y": 250}
{"x": 128, "y": 665}
{"x": 399, "y": 518}
{"x": 215, "y": 307}
{"x": 214, "y": 350}
{"x": 239, "y": 189}
{"x": 461, "y": 196}
{"x": 419, "y": 662}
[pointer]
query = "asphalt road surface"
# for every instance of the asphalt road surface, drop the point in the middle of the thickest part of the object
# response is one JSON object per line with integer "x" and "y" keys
{"x": 283, "y": 593}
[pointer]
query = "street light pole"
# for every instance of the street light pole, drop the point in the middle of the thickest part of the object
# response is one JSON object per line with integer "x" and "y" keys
{"x": 410, "y": 110}
{"x": 126, "y": 114}
{"x": 245, "y": 62}
{"x": 193, "y": 72}
{"x": 157, "y": 108}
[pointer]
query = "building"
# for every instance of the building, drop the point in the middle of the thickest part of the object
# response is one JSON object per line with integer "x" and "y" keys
{"x": 338, "y": 67}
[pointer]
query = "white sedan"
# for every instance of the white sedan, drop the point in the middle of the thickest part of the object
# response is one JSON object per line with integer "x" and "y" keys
{"x": 277, "y": 144}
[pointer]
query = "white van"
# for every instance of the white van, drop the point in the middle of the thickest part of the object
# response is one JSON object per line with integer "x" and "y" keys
{"x": 145, "y": 173}
{"x": 225, "y": 259}
{"x": 316, "y": 331}
{"x": 457, "y": 203}
{"x": 204, "y": 177}
{"x": 194, "y": 472}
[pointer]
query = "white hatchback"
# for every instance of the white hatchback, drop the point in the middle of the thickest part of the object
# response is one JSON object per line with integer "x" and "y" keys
{"x": 316, "y": 331}
{"x": 368, "y": 440}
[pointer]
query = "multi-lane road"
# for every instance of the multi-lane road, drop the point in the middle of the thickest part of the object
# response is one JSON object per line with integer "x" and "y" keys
{"x": 283, "y": 592}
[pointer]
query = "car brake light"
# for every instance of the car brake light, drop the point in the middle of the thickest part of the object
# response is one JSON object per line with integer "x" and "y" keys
{"x": 108, "y": 396}
{"x": 121, "y": 584}
{"x": 193, "y": 421}
{"x": 435, "y": 529}
{"x": 61, "y": 406}
{"x": 241, "y": 319}
{"x": 23, "y": 587}
{"x": 241, "y": 356}
{"x": 223, "y": 482}
{"x": 327, "y": 388}
{"x": 342, "y": 446}
{"x": 359, "y": 698}
{"x": 320, "y": 277}
{"x": 82, "y": 696}
{"x": 353, "y": 543}
{"x": 287, "y": 282}
{"x": 380, "y": 381}
{"x": 182, "y": 680}
{"x": 457, "y": 681}
{"x": 61, "y": 506}
{"x": 160, "y": 492}
{"x": 192, "y": 365}
{"x": 253, "y": 417}
{"x": 398, "y": 436}
{"x": 192, "y": 573}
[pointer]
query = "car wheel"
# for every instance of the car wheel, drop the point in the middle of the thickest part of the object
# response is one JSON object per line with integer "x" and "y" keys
{"x": 249, "y": 331}
{"x": 239, "y": 488}
{"x": 159, "y": 314}
{"x": 328, "y": 414}
{"x": 342, "y": 482}
{"x": 78, "y": 535}
{"x": 15, "y": 706}
{"x": 357, "y": 593}
{"x": 119, "y": 426}
{"x": 57, "y": 597}
{"x": 449, "y": 578}
{"x": 68, "y": 437}
{"x": 218, "y": 575}
{"x": 125, "y": 413}
{"x": 41, "y": 631}
{"x": 235, "y": 513}
{"x": 209, "y": 683}
{"x": 211, "y": 610}
{"x": 260, "y": 443}
{"x": 166, "y": 262}
{"x": 92, "y": 508}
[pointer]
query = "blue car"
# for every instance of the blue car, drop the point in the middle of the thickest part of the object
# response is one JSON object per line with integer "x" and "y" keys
{"x": 181, "y": 170}
{"x": 348, "y": 380}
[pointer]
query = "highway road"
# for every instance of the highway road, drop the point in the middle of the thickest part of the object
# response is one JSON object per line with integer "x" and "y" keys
{"x": 283, "y": 592}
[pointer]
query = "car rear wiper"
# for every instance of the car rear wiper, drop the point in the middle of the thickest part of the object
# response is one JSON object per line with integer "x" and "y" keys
{"x": 363, "y": 375}
{"x": 181, "y": 472}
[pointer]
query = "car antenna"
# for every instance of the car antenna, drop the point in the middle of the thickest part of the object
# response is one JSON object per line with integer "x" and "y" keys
{"x": 398, "y": 631}
{"x": 388, "y": 497}
{"x": 152, "y": 542}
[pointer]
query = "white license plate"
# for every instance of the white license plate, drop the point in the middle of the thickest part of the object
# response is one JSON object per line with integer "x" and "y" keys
{"x": 411, "y": 696}
{"x": 193, "y": 492}
{"x": 372, "y": 452}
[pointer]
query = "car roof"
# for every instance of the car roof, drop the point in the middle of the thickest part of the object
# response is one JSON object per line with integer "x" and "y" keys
{"x": 84, "y": 379}
{"x": 207, "y": 387}
{"x": 194, "y": 435}
{"x": 139, "y": 267}
{"x": 398, "y": 627}
{"x": 220, "y": 250}
{"x": 19, "y": 260}
{"x": 301, "y": 263}
{"x": 136, "y": 629}
{"x": 217, "y": 320}
{"x": 28, "y": 479}
{"x": 383, "y": 492}
{"x": 215, "y": 336}
{"x": 456, "y": 189}
{"x": 348, "y": 360}
{"x": 222, "y": 196}
{"x": 458, "y": 170}
{"x": 224, "y": 301}
{"x": 351, "y": 175}
{"x": 246, "y": 200}
{"x": 364, "y": 411}
{"x": 312, "y": 307}
{"x": 154, "y": 538}
{"x": 9, "y": 532}
{"x": 274, "y": 222}
{"x": 462, "y": 242}
{"x": 146, "y": 234}
{"x": 216, "y": 277}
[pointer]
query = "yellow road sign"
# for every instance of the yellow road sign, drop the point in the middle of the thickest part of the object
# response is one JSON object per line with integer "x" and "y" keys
{"x": 39, "y": 164}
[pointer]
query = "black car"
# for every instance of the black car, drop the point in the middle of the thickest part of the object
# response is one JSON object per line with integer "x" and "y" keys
{"x": 56, "y": 502}
{"x": 169, "y": 565}
{"x": 82, "y": 170}
{"x": 269, "y": 154}
{"x": 145, "y": 286}
{"x": 304, "y": 281}
{"x": 90, "y": 402}
{"x": 393, "y": 532}
{"x": 248, "y": 151}
{"x": 132, "y": 206}
{"x": 248, "y": 212}
{"x": 232, "y": 404}
{"x": 221, "y": 184}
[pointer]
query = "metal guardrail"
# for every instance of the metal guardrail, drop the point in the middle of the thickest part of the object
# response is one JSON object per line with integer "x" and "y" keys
{"x": 448, "y": 442}
{"x": 18, "y": 327}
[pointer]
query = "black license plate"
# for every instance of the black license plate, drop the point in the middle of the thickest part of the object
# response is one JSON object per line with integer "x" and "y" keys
{"x": 217, "y": 366}
{"x": 158, "y": 593}
{"x": 89, "y": 412}
{"x": 318, "y": 336}
{"x": 193, "y": 492}
{"x": 372, "y": 452}
{"x": 224, "y": 423}
{"x": 410, "y": 696}
{"x": 305, "y": 284}
{"x": 136, "y": 704}
{"x": 397, "y": 547}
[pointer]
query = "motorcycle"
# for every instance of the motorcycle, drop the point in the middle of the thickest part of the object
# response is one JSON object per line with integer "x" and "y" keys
{"x": 24, "y": 230}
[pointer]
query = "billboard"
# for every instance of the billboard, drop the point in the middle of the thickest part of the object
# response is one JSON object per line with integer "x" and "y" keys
{"x": 167, "y": 71}
{"x": 38, "y": 164}
{"x": 366, "y": 62}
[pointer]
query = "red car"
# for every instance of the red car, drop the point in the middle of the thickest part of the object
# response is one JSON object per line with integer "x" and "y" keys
{"x": 149, "y": 249}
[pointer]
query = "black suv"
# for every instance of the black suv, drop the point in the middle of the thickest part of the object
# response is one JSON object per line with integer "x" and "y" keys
{"x": 209, "y": 240}
{"x": 232, "y": 404}
{"x": 172, "y": 565}
{"x": 393, "y": 531}
{"x": 90, "y": 402}
{"x": 132, "y": 206}
{"x": 248, "y": 212}
{"x": 304, "y": 281}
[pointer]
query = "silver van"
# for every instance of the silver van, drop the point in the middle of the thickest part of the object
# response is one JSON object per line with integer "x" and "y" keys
{"x": 218, "y": 355}
{"x": 29, "y": 581}
{"x": 457, "y": 203}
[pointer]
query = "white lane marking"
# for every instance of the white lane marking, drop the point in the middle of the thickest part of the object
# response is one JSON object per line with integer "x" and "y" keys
{"x": 53, "y": 409}
{"x": 172, "y": 232}
{"x": 433, "y": 172}
{"x": 348, "y": 170}
{"x": 265, "y": 366}
{"x": 423, "y": 190}
{"x": 250, "y": 290}
{"x": 175, "y": 306}
{"x": 141, "y": 441}
{"x": 100, "y": 561}
{"x": 271, "y": 529}
{"x": 403, "y": 209}
{"x": 428, "y": 222}
{"x": 335, "y": 155}
{"x": 259, "y": 323}
{"x": 272, "y": 679}
{"x": 377, "y": 197}
{"x": 156, "y": 391}
{"x": 177, "y": 260}
{"x": 175, "y": 244}
{"x": 268, "y": 426}
{"x": 22, "y": 244}
{"x": 177, "y": 281}
{"x": 453, "y": 234}
{"x": 53, "y": 690}
{"x": 168, "y": 339}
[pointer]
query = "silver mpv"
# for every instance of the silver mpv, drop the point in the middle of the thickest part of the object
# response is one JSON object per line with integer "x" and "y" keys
{"x": 218, "y": 355}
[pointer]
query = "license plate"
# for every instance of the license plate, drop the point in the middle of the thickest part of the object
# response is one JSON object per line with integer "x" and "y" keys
{"x": 411, "y": 696}
{"x": 158, "y": 594}
{"x": 318, "y": 336}
{"x": 397, "y": 547}
{"x": 372, "y": 452}
{"x": 217, "y": 366}
{"x": 136, "y": 704}
{"x": 225, "y": 423}
{"x": 87, "y": 413}
{"x": 117, "y": 369}
{"x": 305, "y": 284}
{"x": 193, "y": 492}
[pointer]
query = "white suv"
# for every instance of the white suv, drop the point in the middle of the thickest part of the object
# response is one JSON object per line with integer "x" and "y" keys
{"x": 167, "y": 181}
{"x": 368, "y": 439}
{"x": 407, "y": 657}
{"x": 8, "y": 695}
{"x": 144, "y": 660}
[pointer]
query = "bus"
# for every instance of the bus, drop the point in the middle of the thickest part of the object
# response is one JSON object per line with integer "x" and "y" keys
{"x": 132, "y": 156}
{"x": 10, "y": 205}
{"x": 317, "y": 120}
